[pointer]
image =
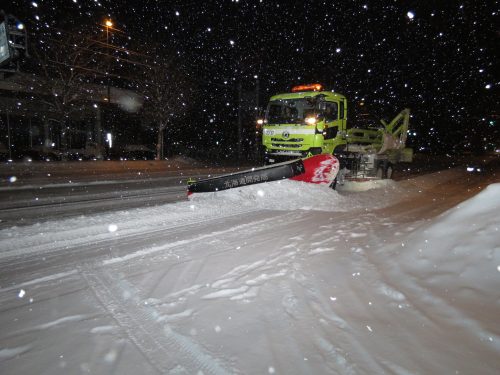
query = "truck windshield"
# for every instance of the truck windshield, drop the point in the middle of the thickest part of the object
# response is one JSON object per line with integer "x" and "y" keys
{"x": 294, "y": 111}
{"x": 290, "y": 111}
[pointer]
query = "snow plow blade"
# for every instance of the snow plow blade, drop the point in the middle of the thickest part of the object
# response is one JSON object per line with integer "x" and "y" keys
{"x": 249, "y": 177}
{"x": 319, "y": 169}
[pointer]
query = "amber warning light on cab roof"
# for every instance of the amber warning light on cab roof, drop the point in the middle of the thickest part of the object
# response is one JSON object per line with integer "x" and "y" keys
{"x": 311, "y": 87}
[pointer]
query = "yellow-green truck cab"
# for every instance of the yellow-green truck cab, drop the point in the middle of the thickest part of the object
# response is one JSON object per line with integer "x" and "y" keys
{"x": 306, "y": 121}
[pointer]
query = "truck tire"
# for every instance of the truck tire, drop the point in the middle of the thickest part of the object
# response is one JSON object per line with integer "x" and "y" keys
{"x": 333, "y": 185}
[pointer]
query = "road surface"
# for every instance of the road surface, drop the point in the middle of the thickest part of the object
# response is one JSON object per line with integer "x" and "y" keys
{"x": 255, "y": 281}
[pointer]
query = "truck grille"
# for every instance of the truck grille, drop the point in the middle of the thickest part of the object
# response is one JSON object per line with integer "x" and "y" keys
{"x": 287, "y": 140}
{"x": 286, "y": 145}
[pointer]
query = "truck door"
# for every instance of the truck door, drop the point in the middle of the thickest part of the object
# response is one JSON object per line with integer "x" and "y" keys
{"x": 342, "y": 115}
{"x": 330, "y": 113}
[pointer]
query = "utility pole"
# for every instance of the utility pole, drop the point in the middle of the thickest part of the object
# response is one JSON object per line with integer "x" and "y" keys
{"x": 240, "y": 89}
{"x": 257, "y": 112}
{"x": 8, "y": 135}
{"x": 108, "y": 24}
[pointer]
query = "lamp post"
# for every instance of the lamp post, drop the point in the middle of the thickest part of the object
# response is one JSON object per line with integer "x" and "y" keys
{"x": 8, "y": 136}
{"x": 257, "y": 115}
{"x": 108, "y": 24}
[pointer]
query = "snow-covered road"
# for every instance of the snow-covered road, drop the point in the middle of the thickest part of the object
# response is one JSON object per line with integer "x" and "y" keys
{"x": 281, "y": 278}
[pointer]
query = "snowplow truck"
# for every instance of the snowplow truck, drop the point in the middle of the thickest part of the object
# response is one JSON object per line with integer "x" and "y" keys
{"x": 310, "y": 121}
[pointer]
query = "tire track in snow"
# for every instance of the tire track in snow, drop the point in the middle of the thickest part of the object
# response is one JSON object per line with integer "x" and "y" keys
{"x": 52, "y": 240}
{"x": 176, "y": 250}
{"x": 304, "y": 303}
{"x": 165, "y": 349}
{"x": 242, "y": 283}
{"x": 65, "y": 259}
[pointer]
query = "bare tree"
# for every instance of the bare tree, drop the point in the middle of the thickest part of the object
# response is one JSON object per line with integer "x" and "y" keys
{"x": 166, "y": 93}
{"x": 71, "y": 61}
{"x": 68, "y": 62}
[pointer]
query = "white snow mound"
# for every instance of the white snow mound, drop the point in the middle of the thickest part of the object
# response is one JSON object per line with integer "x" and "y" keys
{"x": 295, "y": 195}
{"x": 464, "y": 245}
{"x": 278, "y": 195}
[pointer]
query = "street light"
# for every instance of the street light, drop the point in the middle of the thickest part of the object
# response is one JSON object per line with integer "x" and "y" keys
{"x": 108, "y": 24}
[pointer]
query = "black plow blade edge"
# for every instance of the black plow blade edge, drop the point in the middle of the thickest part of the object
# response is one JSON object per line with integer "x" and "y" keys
{"x": 249, "y": 177}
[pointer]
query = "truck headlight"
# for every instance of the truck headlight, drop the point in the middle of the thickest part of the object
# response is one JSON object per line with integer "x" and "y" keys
{"x": 310, "y": 120}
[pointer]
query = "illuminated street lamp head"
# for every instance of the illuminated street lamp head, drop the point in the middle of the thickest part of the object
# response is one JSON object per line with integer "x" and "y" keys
{"x": 108, "y": 23}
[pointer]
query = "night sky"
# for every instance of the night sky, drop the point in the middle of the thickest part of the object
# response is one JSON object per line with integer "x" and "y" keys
{"x": 438, "y": 58}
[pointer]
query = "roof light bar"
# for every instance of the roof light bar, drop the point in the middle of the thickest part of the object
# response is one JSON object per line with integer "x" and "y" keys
{"x": 311, "y": 87}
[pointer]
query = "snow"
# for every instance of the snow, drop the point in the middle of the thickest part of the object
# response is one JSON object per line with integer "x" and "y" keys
{"x": 284, "y": 277}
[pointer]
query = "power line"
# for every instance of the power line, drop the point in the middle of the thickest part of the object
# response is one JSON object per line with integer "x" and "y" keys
{"x": 100, "y": 53}
{"x": 93, "y": 70}
{"x": 227, "y": 86}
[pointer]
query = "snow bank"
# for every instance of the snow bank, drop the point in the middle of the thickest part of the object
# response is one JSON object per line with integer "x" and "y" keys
{"x": 451, "y": 270}
{"x": 277, "y": 195}
{"x": 295, "y": 195}
{"x": 284, "y": 195}
{"x": 459, "y": 254}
